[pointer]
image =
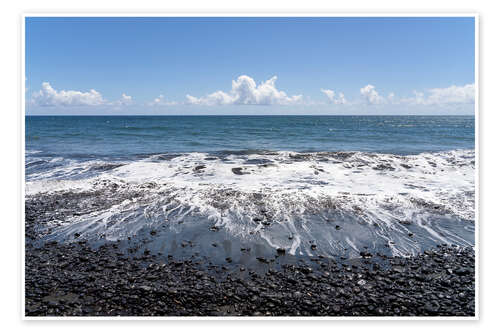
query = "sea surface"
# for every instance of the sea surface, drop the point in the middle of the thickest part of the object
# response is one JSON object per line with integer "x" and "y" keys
{"x": 330, "y": 185}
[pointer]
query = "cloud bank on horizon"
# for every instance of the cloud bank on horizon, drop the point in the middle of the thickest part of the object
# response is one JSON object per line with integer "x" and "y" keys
{"x": 245, "y": 91}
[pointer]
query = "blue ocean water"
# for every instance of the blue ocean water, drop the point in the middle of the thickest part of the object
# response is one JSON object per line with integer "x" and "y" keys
{"x": 126, "y": 136}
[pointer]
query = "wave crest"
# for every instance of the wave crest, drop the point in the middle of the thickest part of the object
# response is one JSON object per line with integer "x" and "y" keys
{"x": 343, "y": 202}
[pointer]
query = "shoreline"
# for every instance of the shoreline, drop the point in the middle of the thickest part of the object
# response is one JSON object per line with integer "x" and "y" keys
{"x": 76, "y": 280}
{"x": 81, "y": 278}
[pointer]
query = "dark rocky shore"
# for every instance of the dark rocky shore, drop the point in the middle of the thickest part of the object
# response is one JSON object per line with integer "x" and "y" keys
{"x": 75, "y": 280}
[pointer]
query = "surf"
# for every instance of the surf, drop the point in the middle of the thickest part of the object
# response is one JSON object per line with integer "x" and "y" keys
{"x": 328, "y": 203}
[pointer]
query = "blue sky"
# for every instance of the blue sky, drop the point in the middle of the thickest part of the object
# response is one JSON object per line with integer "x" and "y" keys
{"x": 250, "y": 65}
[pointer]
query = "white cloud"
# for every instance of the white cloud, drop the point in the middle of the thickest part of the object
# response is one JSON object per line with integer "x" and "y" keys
{"x": 124, "y": 100}
{"x": 391, "y": 98}
{"x": 216, "y": 98}
{"x": 48, "y": 96}
{"x": 371, "y": 95}
{"x": 452, "y": 95}
{"x": 418, "y": 99}
{"x": 440, "y": 96}
{"x": 330, "y": 94}
{"x": 341, "y": 99}
{"x": 244, "y": 90}
{"x": 161, "y": 101}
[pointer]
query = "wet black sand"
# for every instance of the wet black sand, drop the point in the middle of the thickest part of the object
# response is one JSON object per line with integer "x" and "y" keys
{"x": 78, "y": 280}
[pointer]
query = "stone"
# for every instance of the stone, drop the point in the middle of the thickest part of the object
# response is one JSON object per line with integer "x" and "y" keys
{"x": 281, "y": 251}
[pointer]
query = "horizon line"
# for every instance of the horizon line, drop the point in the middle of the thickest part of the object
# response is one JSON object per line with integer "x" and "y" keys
{"x": 244, "y": 115}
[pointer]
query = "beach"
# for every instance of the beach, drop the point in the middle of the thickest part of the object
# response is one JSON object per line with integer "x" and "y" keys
{"x": 76, "y": 280}
{"x": 300, "y": 216}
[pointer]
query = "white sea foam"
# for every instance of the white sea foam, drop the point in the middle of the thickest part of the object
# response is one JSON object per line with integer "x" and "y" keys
{"x": 340, "y": 200}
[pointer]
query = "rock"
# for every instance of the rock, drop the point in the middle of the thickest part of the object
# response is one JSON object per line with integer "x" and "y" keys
{"x": 238, "y": 171}
{"x": 430, "y": 308}
{"x": 306, "y": 270}
{"x": 365, "y": 254}
{"x": 73, "y": 279}
{"x": 145, "y": 288}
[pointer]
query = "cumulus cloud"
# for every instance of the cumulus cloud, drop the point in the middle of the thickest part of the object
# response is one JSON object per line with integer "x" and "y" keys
{"x": 161, "y": 101}
{"x": 244, "y": 90}
{"x": 330, "y": 94}
{"x": 371, "y": 95}
{"x": 452, "y": 95}
{"x": 216, "y": 98}
{"x": 124, "y": 100}
{"x": 441, "y": 96}
{"x": 48, "y": 96}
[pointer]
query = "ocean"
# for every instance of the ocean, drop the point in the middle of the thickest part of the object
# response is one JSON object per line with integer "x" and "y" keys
{"x": 329, "y": 185}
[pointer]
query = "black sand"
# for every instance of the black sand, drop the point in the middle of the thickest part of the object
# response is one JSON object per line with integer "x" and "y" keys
{"x": 77, "y": 280}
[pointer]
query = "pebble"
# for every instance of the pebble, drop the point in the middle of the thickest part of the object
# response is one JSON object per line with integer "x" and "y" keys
{"x": 75, "y": 279}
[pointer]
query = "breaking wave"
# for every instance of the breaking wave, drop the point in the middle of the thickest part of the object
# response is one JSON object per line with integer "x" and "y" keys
{"x": 329, "y": 203}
